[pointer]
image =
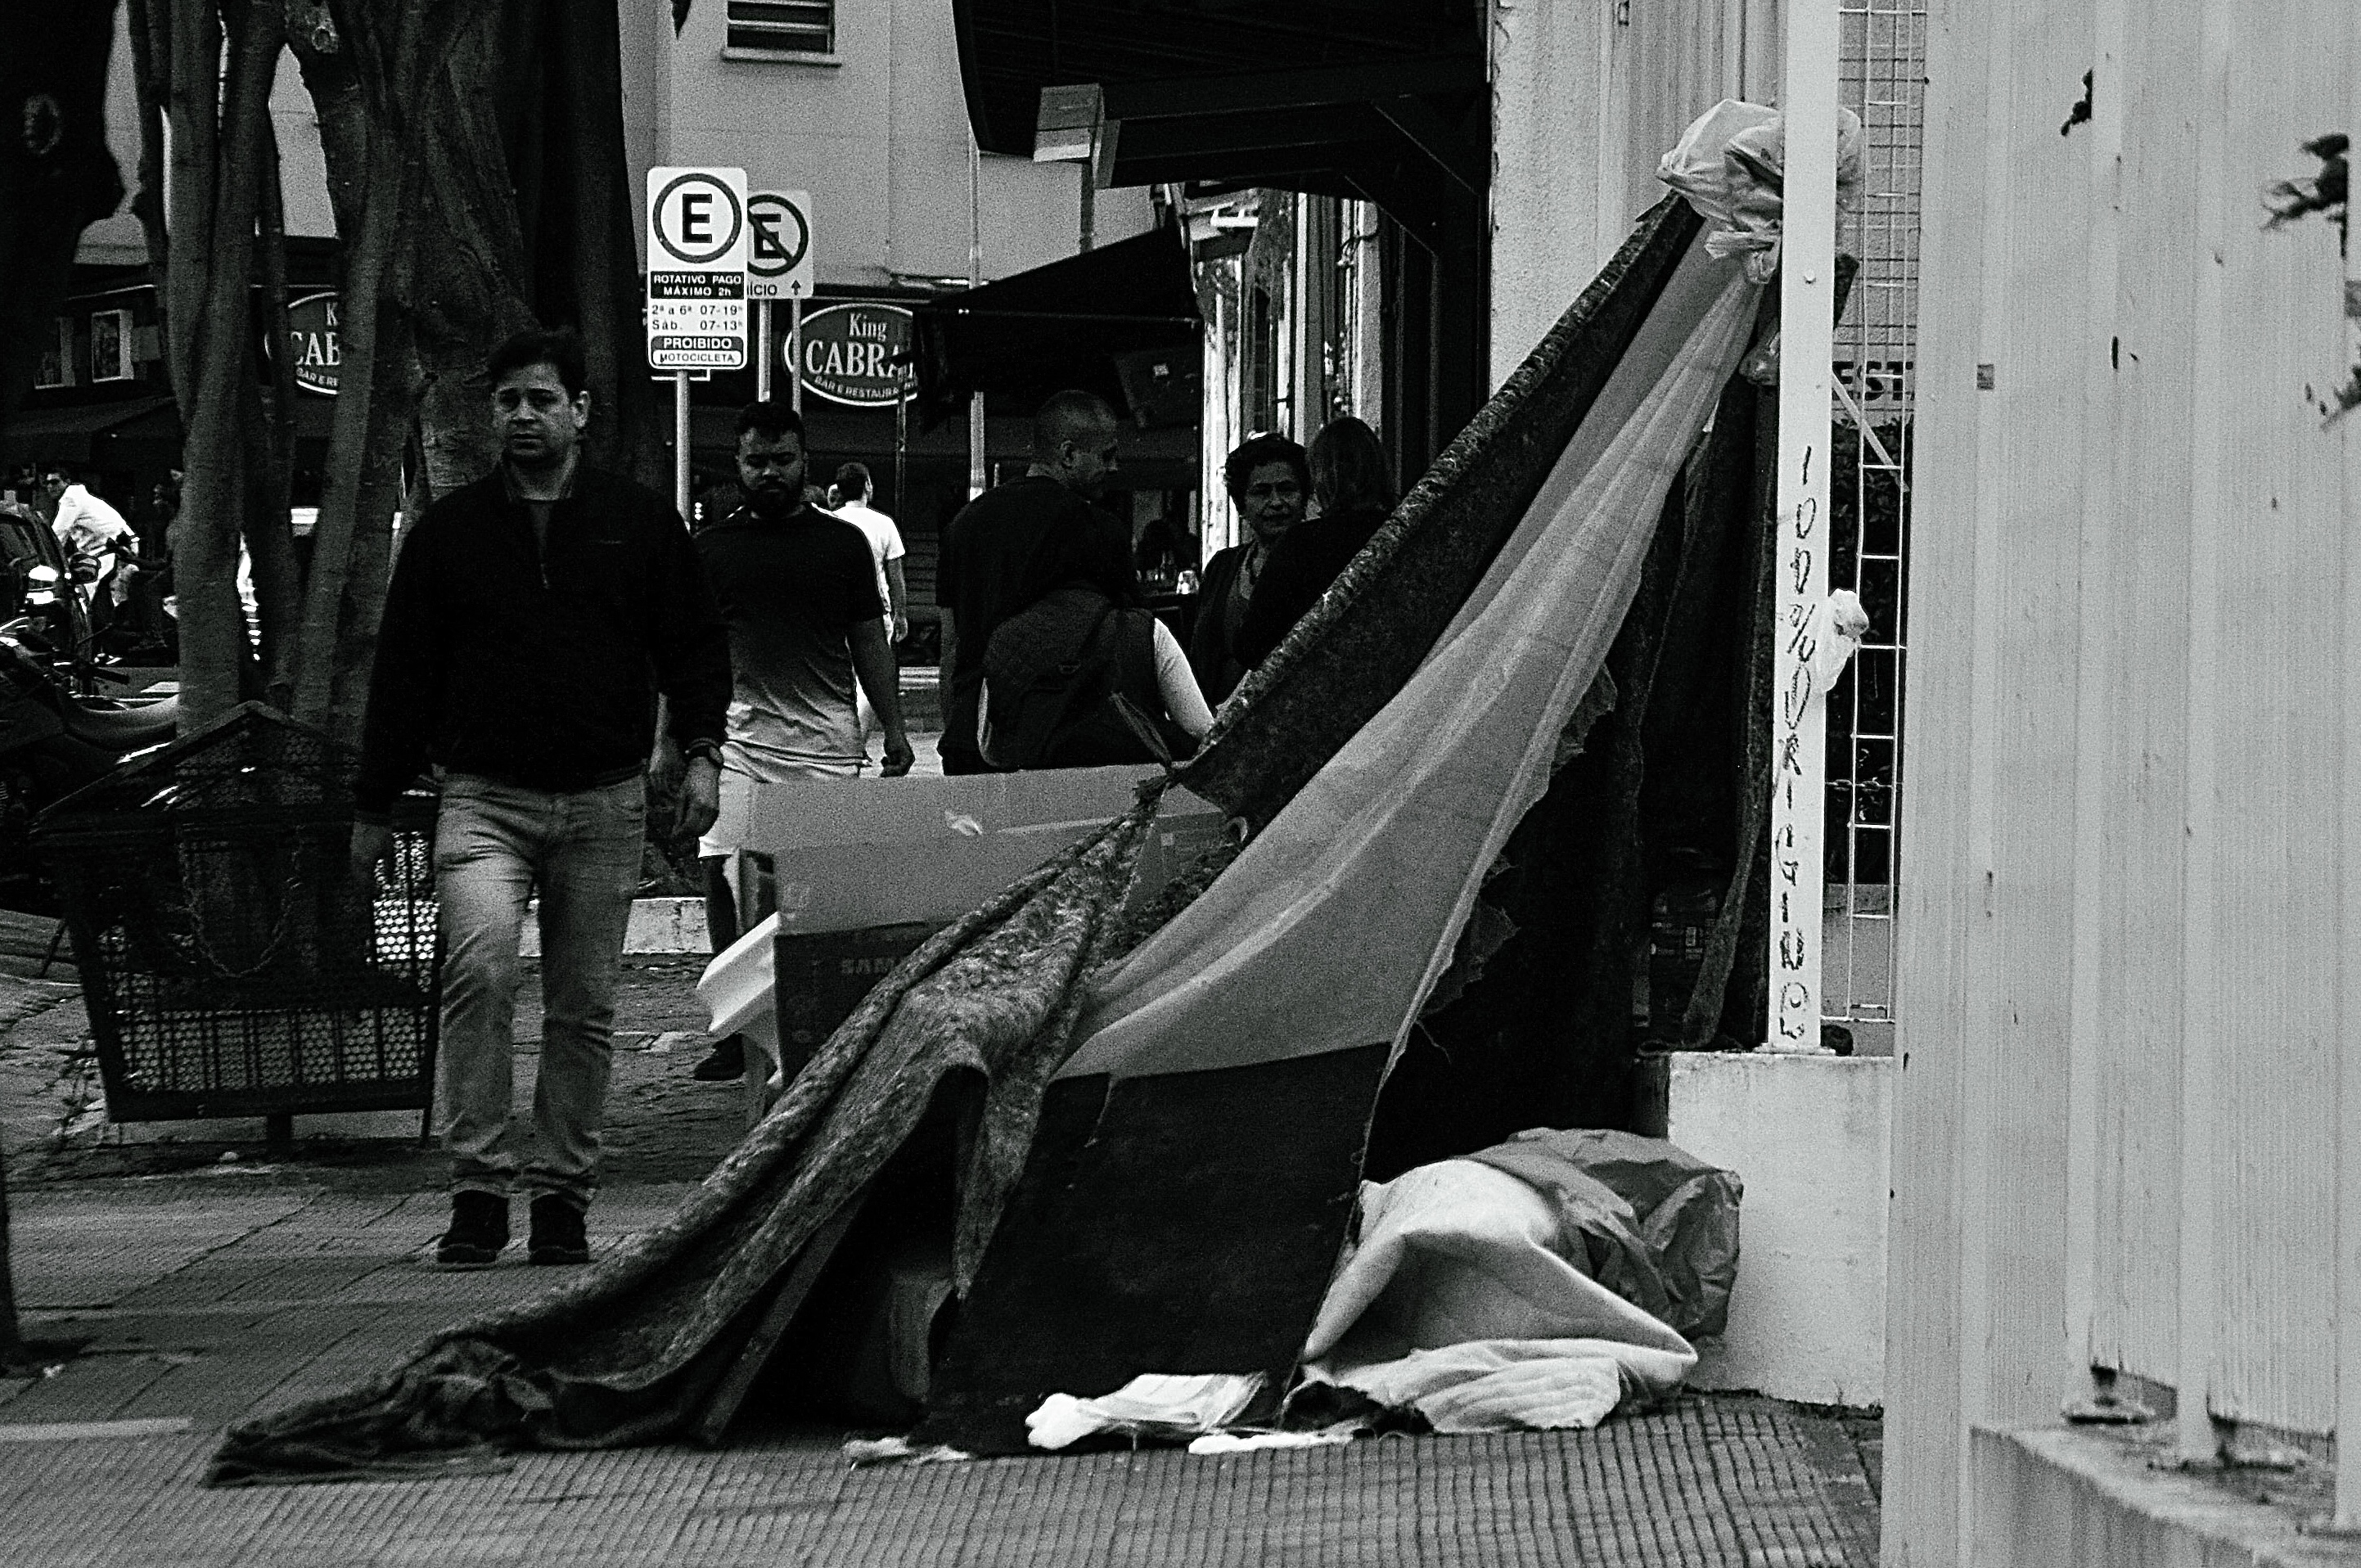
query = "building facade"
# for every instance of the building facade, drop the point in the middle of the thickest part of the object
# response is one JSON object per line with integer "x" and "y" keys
{"x": 859, "y": 106}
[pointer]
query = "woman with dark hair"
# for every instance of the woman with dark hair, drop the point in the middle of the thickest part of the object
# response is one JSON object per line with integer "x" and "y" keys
{"x": 1268, "y": 480}
{"x": 1353, "y": 495}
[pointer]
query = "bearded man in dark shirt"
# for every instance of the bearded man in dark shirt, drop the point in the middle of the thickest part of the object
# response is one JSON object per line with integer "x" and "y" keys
{"x": 797, "y": 588}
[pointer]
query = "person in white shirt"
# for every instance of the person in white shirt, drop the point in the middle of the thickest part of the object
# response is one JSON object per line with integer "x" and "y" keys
{"x": 849, "y": 498}
{"x": 96, "y": 537}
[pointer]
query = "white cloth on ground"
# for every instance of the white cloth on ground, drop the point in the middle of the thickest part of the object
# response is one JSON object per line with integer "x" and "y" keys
{"x": 1460, "y": 1301}
{"x": 1151, "y": 1405}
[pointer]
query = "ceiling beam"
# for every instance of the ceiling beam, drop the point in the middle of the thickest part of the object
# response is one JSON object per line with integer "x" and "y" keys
{"x": 1245, "y": 170}
{"x": 1319, "y": 87}
{"x": 1424, "y": 130}
{"x": 1330, "y": 127}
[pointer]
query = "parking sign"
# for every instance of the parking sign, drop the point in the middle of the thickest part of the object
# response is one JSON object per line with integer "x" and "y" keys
{"x": 698, "y": 241}
{"x": 779, "y": 256}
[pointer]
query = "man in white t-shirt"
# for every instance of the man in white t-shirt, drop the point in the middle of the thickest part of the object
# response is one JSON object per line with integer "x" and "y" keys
{"x": 849, "y": 498}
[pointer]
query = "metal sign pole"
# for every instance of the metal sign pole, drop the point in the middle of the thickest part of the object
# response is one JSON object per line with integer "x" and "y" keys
{"x": 795, "y": 347}
{"x": 762, "y": 351}
{"x": 697, "y": 289}
{"x": 680, "y": 443}
{"x": 976, "y": 478}
{"x": 1799, "y": 710}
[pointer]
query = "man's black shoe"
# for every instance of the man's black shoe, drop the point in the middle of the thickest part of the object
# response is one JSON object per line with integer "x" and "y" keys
{"x": 480, "y": 1228}
{"x": 727, "y": 1062}
{"x": 557, "y": 1232}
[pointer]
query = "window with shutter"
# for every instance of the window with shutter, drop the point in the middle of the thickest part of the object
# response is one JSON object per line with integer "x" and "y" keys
{"x": 783, "y": 26}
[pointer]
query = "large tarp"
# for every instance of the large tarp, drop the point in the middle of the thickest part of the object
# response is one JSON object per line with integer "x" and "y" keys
{"x": 1229, "y": 1058}
{"x": 1234, "y": 1054}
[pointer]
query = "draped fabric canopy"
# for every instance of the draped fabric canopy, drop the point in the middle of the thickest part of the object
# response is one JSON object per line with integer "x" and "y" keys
{"x": 1141, "y": 1112}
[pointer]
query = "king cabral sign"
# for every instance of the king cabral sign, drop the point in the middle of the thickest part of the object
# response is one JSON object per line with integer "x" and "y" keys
{"x": 850, "y": 354}
{"x": 313, "y": 342}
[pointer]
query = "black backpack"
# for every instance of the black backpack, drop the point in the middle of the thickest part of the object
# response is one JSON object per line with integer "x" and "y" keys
{"x": 1054, "y": 670}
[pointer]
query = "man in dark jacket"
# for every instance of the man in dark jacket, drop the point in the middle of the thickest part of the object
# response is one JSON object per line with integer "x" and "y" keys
{"x": 1011, "y": 545}
{"x": 533, "y": 619}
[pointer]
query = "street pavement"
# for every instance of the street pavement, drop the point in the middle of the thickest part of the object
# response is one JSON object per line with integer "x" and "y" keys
{"x": 191, "y": 1282}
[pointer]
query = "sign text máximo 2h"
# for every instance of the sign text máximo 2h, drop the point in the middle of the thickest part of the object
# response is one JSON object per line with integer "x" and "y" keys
{"x": 698, "y": 235}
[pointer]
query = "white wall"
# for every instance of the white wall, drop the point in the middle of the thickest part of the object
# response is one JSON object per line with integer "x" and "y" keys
{"x": 2130, "y": 923}
{"x": 1808, "y": 1136}
{"x": 303, "y": 172}
{"x": 1583, "y": 106}
{"x": 881, "y": 141}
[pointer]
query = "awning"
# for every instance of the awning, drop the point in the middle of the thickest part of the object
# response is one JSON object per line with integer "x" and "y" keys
{"x": 80, "y": 434}
{"x": 1120, "y": 321}
{"x": 1383, "y": 101}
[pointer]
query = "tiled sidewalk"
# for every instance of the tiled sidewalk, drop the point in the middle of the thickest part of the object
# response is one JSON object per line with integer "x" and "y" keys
{"x": 210, "y": 1289}
{"x": 209, "y": 1296}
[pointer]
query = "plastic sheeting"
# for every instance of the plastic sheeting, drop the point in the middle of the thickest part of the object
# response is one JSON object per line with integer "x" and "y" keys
{"x": 1333, "y": 925}
{"x": 1732, "y": 162}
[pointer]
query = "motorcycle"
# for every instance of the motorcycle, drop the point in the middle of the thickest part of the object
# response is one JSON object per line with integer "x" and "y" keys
{"x": 53, "y": 741}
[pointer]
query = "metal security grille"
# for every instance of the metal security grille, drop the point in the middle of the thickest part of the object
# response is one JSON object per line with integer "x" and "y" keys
{"x": 230, "y": 964}
{"x": 1882, "y": 76}
{"x": 783, "y": 27}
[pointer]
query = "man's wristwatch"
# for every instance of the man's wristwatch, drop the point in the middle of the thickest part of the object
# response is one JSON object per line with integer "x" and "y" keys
{"x": 709, "y": 749}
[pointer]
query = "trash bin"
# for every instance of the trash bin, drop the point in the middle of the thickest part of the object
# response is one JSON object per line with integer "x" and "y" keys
{"x": 230, "y": 965}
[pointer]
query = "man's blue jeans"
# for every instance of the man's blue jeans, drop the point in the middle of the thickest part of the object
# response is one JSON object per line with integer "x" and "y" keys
{"x": 493, "y": 844}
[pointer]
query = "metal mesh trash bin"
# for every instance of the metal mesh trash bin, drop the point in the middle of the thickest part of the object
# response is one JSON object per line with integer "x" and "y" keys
{"x": 230, "y": 965}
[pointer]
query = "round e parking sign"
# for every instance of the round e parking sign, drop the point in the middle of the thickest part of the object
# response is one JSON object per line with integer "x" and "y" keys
{"x": 698, "y": 219}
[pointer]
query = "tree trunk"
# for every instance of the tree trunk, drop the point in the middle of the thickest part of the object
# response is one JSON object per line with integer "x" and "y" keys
{"x": 189, "y": 41}
{"x": 580, "y": 214}
{"x": 151, "y": 78}
{"x": 368, "y": 179}
{"x": 471, "y": 274}
{"x": 211, "y": 314}
{"x": 270, "y": 458}
{"x": 56, "y": 178}
{"x": 369, "y": 67}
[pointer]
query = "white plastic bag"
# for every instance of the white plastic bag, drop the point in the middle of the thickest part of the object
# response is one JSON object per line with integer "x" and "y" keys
{"x": 1730, "y": 163}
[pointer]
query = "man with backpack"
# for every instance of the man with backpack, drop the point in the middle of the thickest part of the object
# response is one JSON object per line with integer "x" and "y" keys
{"x": 1011, "y": 545}
{"x": 1075, "y": 680}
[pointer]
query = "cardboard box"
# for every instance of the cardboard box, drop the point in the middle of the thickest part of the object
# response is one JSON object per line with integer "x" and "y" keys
{"x": 865, "y": 870}
{"x": 822, "y": 976}
{"x": 853, "y": 853}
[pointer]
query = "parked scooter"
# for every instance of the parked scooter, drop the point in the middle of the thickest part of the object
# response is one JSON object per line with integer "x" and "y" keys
{"x": 53, "y": 742}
